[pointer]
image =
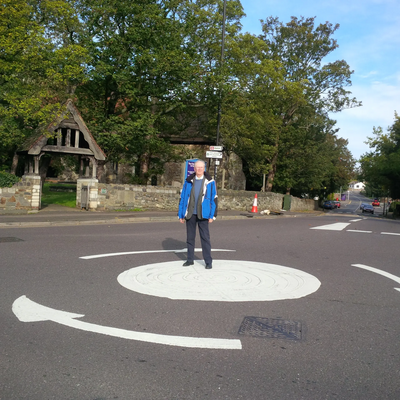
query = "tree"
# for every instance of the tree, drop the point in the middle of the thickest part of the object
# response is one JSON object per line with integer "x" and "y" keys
{"x": 380, "y": 168}
{"x": 151, "y": 61}
{"x": 288, "y": 121}
{"x": 38, "y": 72}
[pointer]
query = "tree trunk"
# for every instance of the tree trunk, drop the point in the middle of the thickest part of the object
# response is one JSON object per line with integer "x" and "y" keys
{"x": 144, "y": 168}
{"x": 44, "y": 166}
{"x": 14, "y": 164}
{"x": 101, "y": 171}
{"x": 271, "y": 173}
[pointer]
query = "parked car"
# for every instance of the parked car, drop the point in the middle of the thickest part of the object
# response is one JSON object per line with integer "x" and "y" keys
{"x": 337, "y": 203}
{"x": 362, "y": 206}
{"x": 368, "y": 209}
{"x": 376, "y": 203}
{"x": 330, "y": 205}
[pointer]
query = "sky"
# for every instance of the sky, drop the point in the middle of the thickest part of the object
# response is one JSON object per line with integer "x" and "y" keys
{"x": 369, "y": 41}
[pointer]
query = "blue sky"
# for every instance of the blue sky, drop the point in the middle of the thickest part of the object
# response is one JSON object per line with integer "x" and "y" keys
{"x": 369, "y": 41}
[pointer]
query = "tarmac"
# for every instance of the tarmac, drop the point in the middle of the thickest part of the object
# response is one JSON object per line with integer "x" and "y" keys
{"x": 55, "y": 215}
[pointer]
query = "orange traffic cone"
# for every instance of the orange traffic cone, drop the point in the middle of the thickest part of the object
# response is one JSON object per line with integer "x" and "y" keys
{"x": 254, "y": 208}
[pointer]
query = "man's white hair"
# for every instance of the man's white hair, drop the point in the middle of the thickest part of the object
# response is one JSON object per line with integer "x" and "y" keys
{"x": 200, "y": 161}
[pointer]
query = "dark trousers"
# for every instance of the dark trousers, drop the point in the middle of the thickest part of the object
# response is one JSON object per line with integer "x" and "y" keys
{"x": 204, "y": 236}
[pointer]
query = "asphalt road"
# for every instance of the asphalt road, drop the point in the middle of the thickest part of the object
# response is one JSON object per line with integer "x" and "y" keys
{"x": 352, "y": 206}
{"x": 337, "y": 340}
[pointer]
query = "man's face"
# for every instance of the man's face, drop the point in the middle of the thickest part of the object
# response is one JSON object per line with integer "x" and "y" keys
{"x": 199, "y": 169}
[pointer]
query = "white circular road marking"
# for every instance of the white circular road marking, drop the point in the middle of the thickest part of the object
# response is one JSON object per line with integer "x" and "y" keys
{"x": 229, "y": 280}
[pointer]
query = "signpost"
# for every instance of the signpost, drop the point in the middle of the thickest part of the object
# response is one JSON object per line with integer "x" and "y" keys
{"x": 213, "y": 154}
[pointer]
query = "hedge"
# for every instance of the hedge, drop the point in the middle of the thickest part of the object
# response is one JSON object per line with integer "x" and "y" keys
{"x": 8, "y": 180}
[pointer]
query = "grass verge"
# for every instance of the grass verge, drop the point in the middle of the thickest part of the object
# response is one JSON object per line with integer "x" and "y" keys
{"x": 67, "y": 199}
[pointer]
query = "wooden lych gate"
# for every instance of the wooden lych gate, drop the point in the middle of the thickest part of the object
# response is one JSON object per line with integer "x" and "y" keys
{"x": 67, "y": 135}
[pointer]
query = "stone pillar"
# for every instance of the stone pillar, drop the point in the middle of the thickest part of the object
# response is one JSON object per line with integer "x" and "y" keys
{"x": 93, "y": 189}
{"x": 34, "y": 182}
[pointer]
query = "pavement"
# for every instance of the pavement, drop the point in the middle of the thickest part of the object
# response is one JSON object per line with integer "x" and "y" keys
{"x": 56, "y": 215}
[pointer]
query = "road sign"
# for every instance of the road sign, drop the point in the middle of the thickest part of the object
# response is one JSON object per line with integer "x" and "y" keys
{"x": 216, "y": 148}
{"x": 213, "y": 154}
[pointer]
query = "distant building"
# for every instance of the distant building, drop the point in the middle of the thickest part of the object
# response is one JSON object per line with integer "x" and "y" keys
{"x": 357, "y": 186}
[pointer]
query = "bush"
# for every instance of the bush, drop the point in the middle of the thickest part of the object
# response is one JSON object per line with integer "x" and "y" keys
{"x": 395, "y": 207}
{"x": 8, "y": 180}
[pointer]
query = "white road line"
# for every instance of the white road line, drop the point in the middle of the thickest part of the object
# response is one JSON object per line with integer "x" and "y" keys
{"x": 355, "y": 220}
{"x": 144, "y": 252}
{"x": 338, "y": 226}
{"x": 356, "y": 230}
{"x": 390, "y": 233}
{"x": 379, "y": 271}
{"x": 27, "y": 310}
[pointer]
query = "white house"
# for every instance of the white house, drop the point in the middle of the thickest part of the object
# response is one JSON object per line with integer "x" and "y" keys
{"x": 357, "y": 185}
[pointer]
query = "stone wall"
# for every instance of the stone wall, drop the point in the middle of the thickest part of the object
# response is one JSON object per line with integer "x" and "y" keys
{"x": 297, "y": 204}
{"x": 130, "y": 197}
{"x": 24, "y": 195}
{"x": 242, "y": 200}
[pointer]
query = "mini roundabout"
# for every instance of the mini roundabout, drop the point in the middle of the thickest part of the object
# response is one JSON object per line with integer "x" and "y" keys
{"x": 227, "y": 281}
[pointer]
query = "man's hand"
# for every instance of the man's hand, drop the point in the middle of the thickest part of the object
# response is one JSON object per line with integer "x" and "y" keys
{"x": 181, "y": 220}
{"x": 210, "y": 220}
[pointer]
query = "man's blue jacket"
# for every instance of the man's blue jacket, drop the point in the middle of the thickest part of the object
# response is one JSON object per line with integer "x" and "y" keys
{"x": 208, "y": 196}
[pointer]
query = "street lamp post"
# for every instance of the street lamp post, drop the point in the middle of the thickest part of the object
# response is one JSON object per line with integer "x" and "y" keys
{"x": 220, "y": 94}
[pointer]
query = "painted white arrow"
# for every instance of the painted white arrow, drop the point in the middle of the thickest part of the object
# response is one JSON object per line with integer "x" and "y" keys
{"x": 144, "y": 252}
{"x": 27, "y": 310}
{"x": 338, "y": 226}
{"x": 380, "y": 272}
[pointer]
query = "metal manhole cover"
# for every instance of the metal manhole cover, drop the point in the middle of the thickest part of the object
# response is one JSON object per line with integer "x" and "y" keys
{"x": 10, "y": 239}
{"x": 272, "y": 328}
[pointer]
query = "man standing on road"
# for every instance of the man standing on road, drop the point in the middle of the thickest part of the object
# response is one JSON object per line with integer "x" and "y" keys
{"x": 198, "y": 206}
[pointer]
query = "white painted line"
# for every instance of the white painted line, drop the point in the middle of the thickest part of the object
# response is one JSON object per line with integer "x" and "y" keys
{"x": 390, "y": 233}
{"x": 228, "y": 280}
{"x": 27, "y": 310}
{"x": 378, "y": 271}
{"x": 359, "y": 231}
{"x": 143, "y": 252}
{"x": 355, "y": 220}
{"x": 338, "y": 226}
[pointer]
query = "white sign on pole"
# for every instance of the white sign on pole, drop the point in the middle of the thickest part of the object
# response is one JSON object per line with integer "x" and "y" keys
{"x": 213, "y": 154}
{"x": 216, "y": 148}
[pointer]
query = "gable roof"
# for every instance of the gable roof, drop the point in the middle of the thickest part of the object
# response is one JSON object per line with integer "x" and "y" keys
{"x": 70, "y": 118}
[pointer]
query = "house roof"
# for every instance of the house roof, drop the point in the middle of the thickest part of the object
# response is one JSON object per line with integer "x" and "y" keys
{"x": 70, "y": 118}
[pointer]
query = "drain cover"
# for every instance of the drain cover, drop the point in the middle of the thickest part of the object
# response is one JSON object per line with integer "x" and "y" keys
{"x": 10, "y": 239}
{"x": 271, "y": 328}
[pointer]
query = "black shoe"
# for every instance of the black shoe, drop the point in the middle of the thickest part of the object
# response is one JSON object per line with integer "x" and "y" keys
{"x": 187, "y": 263}
{"x": 208, "y": 266}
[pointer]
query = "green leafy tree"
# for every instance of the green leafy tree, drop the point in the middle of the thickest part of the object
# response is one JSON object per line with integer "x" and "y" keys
{"x": 287, "y": 123}
{"x": 380, "y": 168}
{"x": 152, "y": 61}
{"x": 38, "y": 70}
